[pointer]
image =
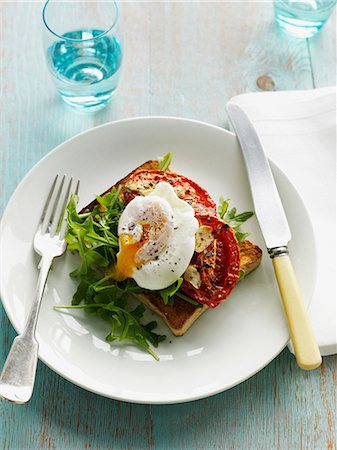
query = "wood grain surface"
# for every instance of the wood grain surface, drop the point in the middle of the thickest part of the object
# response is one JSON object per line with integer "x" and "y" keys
{"x": 186, "y": 59}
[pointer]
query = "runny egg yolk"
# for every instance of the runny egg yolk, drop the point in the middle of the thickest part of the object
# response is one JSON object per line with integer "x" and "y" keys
{"x": 134, "y": 249}
{"x": 126, "y": 258}
{"x": 139, "y": 247}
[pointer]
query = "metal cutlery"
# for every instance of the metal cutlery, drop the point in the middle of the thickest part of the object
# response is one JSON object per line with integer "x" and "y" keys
{"x": 18, "y": 374}
{"x": 276, "y": 233}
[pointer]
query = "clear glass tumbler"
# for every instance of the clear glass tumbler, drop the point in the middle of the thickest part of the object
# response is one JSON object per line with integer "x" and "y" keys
{"x": 302, "y": 18}
{"x": 83, "y": 47}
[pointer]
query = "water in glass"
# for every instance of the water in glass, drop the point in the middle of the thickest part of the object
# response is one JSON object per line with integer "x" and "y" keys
{"x": 303, "y": 18}
{"x": 86, "y": 69}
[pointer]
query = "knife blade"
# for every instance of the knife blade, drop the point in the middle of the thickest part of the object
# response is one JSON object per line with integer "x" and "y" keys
{"x": 276, "y": 233}
{"x": 267, "y": 203}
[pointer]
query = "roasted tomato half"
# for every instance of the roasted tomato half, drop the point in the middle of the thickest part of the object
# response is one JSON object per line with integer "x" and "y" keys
{"x": 143, "y": 182}
{"x": 215, "y": 266}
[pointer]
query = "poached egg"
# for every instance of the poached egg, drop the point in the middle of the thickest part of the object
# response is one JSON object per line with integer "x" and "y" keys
{"x": 156, "y": 239}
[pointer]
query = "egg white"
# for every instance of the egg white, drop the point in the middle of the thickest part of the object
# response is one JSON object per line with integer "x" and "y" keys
{"x": 162, "y": 269}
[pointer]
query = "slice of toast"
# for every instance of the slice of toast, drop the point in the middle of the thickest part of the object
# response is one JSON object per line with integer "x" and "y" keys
{"x": 181, "y": 315}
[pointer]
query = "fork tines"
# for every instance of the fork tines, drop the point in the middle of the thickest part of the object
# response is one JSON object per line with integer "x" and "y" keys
{"x": 53, "y": 215}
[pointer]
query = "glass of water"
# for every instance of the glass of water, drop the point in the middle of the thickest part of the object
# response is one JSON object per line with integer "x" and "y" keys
{"x": 302, "y": 18}
{"x": 83, "y": 47}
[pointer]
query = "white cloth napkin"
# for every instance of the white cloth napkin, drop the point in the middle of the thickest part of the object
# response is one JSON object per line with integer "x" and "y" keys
{"x": 298, "y": 132}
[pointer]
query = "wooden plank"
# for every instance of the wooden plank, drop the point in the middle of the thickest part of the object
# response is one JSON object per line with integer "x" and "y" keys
{"x": 63, "y": 416}
{"x": 281, "y": 407}
{"x": 213, "y": 51}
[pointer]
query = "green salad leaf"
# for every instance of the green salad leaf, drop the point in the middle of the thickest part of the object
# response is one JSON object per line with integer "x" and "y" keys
{"x": 125, "y": 325}
{"x": 189, "y": 300}
{"x": 93, "y": 234}
{"x": 234, "y": 220}
{"x": 164, "y": 161}
{"x": 168, "y": 293}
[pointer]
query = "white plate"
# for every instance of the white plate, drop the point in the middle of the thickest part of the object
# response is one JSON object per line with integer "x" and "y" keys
{"x": 226, "y": 345}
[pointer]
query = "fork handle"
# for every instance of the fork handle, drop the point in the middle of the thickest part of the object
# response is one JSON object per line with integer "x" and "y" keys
{"x": 18, "y": 374}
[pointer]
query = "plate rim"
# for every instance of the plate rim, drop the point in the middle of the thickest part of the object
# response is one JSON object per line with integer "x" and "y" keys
{"x": 77, "y": 382}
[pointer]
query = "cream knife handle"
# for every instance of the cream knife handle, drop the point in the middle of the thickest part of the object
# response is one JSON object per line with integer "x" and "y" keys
{"x": 306, "y": 350}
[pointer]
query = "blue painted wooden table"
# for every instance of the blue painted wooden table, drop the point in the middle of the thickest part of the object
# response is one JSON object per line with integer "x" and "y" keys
{"x": 186, "y": 59}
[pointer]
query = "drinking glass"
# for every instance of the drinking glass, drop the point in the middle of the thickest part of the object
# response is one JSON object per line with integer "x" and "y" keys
{"x": 302, "y": 18}
{"x": 83, "y": 47}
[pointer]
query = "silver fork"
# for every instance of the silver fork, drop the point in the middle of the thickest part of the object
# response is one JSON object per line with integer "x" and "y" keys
{"x": 18, "y": 374}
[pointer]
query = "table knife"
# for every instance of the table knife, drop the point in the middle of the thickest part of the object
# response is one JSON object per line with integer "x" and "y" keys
{"x": 276, "y": 233}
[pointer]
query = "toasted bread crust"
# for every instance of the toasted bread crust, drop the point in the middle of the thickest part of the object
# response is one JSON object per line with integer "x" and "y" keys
{"x": 181, "y": 315}
{"x": 250, "y": 256}
{"x": 148, "y": 165}
{"x": 178, "y": 317}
